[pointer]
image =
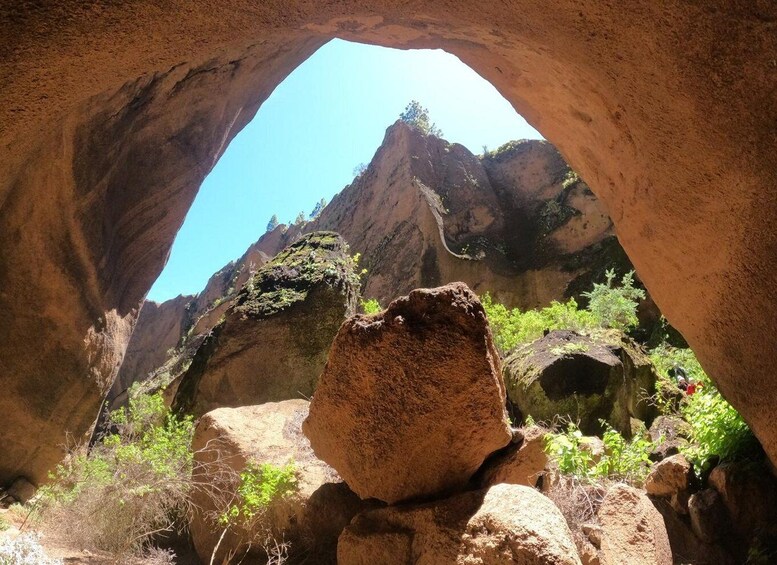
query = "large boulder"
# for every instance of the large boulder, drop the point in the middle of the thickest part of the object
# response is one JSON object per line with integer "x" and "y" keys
{"x": 273, "y": 342}
{"x": 633, "y": 530}
{"x": 411, "y": 400}
{"x": 586, "y": 378}
{"x": 505, "y": 524}
{"x": 686, "y": 543}
{"x": 226, "y": 440}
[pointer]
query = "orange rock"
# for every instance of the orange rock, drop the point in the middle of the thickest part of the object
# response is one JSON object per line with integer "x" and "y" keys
{"x": 226, "y": 440}
{"x": 411, "y": 400}
{"x": 519, "y": 464}
{"x": 669, "y": 476}
{"x": 503, "y": 525}
{"x": 633, "y": 530}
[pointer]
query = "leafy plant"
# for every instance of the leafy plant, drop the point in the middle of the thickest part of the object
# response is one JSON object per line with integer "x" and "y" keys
{"x": 615, "y": 306}
{"x": 130, "y": 485}
{"x": 622, "y": 459}
{"x": 260, "y": 487}
{"x": 371, "y": 306}
{"x": 718, "y": 431}
{"x": 512, "y": 327}
{"x": 570, "y": 179}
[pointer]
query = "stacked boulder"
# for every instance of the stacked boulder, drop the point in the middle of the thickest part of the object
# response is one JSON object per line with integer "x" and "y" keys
{"x": 410, "y": 405}
{"x": 226, "y": 442}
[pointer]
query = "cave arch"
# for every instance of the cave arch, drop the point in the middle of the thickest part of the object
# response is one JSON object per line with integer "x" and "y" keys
{"x": 110, "y": 117}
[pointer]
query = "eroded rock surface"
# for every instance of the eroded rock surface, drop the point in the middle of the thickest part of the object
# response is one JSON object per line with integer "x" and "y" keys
{"x": 586, "y": 378}
{"x": 515, "y": 222}
{"x": 273, "y": 341}
{"x": 229, "y": 439}
{"x": 633, "y": 530}
{"x": 502, "y": 525}
{"x": 521, "y": 463}
{"x": 411, "y": 400}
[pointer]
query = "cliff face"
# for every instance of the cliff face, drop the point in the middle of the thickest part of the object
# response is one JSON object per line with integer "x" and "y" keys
{"x": 515, "y": 223}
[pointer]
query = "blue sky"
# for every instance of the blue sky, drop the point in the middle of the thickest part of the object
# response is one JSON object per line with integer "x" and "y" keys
{"x": 328, "y": 116}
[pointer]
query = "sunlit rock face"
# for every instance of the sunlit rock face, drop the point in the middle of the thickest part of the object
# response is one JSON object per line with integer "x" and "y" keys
{"x": 514, "y": 222}
{"x": 110, "y": 117}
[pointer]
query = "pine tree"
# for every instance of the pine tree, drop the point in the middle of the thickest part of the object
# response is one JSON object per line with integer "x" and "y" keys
{"x": 273, "y": 223}
{"x": 418, "y": 117}
{"x": 300, "y": 219}
{"x": 320, "y": 205}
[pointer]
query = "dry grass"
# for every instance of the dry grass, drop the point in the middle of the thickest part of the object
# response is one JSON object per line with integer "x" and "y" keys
{"x": 579, "y": 504}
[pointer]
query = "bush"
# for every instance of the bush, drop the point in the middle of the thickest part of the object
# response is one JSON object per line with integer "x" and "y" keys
{"x": 610, "y": 307}
{"x": 615, "y": 306}
{"x": 261, "y": 486}
{"x": 418, "y": 117}
{"x": 133, "y": 484}
{"x": 25, "y": 550}
{"x": 262, "y": 489}
{"x": 371, "y": 306}
{"x": 718, "y": 432}
{"x": 512, "y": 327}
{"x": 622, "y": 459}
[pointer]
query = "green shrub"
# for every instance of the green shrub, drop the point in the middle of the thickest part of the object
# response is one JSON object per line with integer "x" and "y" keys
{"x": 512, "y": 327}
{"x": 131, "y": 484}
{"x": 609, "y": 307}
{"x": 717, "y": 429}
{"x": 371, "y": 306}
{"x": 615, "y": 306}
{"x": 622, "y": 459}
{"x": 261, "y": 486}
{"x": 418, "y": 117}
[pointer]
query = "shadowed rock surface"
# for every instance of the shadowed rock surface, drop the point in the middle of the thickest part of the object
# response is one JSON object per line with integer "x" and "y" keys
{"x": 411, "y": 400}
{"x": 604, "y": 376}
{"x": 111, "y": 116}
{"x": 501, "y": 525}
{"x": 273, "y": 341}
{"x": 230, "y": 438}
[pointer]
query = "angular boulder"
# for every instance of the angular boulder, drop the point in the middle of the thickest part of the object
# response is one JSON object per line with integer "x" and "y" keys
{"x": 273, "y": 342}
{"x": 633, "y": 530}
{"x": 504, "y": 524}
{"x": 411, "y": 401}
{"x": 521, "y": 463}
{"x": 708, "y": 516}
{"x": 226, "y": 440}
{"x": 687, "y": 546}
{"x": 586, "y": 378}
{"x": 668, "y": 477}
